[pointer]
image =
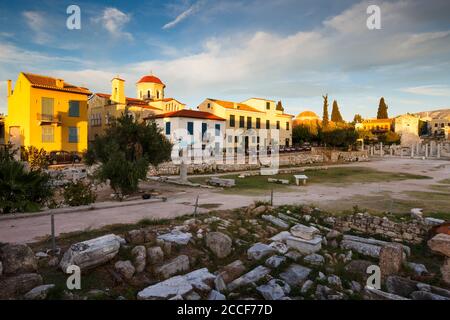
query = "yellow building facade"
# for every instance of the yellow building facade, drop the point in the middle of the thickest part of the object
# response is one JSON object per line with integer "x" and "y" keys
{"x": 375, "y": 125}
{"x": 252, "y": 114}
{"x": 47, "y": 113}
{"x": 151, "y": 100}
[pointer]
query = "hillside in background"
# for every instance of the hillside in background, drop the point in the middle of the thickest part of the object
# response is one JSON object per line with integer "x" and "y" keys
{"x": 441, "y": 113}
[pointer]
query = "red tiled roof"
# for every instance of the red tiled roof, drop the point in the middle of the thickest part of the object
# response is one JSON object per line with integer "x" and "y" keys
{"x": 44, "y": 82}
{"x": 235, "y": 105}
{"x": 184, "y": 113}
{"x": 151, "y": 79}
{"x": 103, "y": 95}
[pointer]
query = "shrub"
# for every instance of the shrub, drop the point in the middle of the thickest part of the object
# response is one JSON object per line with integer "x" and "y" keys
{"x": 22, "y": 190}
{"x": 37, "y": 158}
{"x": 78, "y": 194}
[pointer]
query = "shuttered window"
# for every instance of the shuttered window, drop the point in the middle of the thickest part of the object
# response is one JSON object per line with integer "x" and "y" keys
{"x": 48, "y": 134}
{"x": 73, "y": 134}
{"x": 74, "y": 108}
{"x": 47, "y": 108}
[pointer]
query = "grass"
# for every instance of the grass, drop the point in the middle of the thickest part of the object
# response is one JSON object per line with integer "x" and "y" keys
{"x": 337, "y": 175}
{"x": 445, "y": 181}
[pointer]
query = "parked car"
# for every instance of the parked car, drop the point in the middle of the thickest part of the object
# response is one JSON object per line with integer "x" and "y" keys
{"x": 60, "y": 157}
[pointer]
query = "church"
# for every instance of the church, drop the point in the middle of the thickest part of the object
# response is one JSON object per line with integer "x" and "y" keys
{"x": 150, "y": 101}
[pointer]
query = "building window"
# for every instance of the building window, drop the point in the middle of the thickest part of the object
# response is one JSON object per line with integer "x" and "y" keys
{"x": 287, "y": 126}
{"x": 47, "y": 108}
{"x": 267, "y": 124}
{"x": 217, "y": 130}
{"x": 168, "y": 128}
{"x": 232, "y": 121}
{"x": 236, "y": 139}
{"x": 258, "y": 123}
{"x": 96, "y": 120}
{"x": 249, "y": 122}
{"x": 74, "y": 108}
{"x": 149, "y": 94}
{"x": 268, "y": 105}
{"x": 73, "y": 134}
{"x": 241, "y": 122}
{"x": 278, "y": 125}
{"x": 157, "y": 94}
{"x": 190, "y": 128}
{"x": 204, "y": 129}
{"x": 48, "y": 134}
{"x": 209, "y": 105}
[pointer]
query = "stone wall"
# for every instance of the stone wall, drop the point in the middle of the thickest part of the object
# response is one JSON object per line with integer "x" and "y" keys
{"x": 287, "y": 159}
{"x": 337, "y": 155}
{"x": 414, "y": 231}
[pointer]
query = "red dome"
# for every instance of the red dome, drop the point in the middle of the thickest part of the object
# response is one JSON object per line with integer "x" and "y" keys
{"x": 151, "y": 79}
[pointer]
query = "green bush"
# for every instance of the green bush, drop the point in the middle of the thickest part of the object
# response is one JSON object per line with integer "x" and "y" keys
{"x": 22, "y": 190}
{"x": 36, "y": 158}
{"x": 78, "y": 194}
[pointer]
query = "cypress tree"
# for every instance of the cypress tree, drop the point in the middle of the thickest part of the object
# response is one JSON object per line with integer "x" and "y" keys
{"x": 335, "y": 113}
{"x": 325, "y": 111}
{"x": 382, "y": 110}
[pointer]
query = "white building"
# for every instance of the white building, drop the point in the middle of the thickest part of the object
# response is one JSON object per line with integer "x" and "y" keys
{"x": 199, "y": 134}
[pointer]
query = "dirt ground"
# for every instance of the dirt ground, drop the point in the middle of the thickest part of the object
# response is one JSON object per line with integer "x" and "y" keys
{"x": 395, "y": 196}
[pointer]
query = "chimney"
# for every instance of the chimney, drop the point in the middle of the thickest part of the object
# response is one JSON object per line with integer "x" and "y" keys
{"x": 118, "y": 90}
{"x": 9, "y": 88}
{"x": 60, "y": 83}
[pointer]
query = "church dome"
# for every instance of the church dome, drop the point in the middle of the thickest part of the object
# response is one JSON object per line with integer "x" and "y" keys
{"x": 151, "y": 79}
{"x": 307, "y": 114}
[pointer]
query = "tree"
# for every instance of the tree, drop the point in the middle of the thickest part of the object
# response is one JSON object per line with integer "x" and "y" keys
{"x": 301, "y": 134}
{"x": 342, "y": 137}
{"x": 21, "y": 190}
{"x": 325, "y": 120}
{"x": 382, "y": 110}
{"x": 280, "y": 106}
{"x": 126, "y": 150}
{"x": 336, "y": 114}
{"x": 389, "y": 137}
{"x": 357, "y": 118}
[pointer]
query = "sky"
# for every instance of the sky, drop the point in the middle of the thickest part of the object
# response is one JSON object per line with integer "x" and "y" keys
{"x": 295, "y": 51}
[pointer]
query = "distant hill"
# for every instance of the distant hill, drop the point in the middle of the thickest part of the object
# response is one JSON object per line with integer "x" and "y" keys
{"x": 441, "y": 113}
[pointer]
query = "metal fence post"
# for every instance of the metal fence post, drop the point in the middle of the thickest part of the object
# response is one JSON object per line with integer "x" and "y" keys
{"x": 53, "y": 233}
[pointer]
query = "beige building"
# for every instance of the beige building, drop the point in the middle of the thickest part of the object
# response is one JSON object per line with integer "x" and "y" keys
{"x": 249, "y": 117}
{"x": 440, "y": 127}
{"x": 151, "y": 101}
{"x": 407, "y": 124}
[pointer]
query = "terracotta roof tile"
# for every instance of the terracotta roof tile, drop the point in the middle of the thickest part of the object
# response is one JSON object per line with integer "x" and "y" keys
{"x": 44, "y": 82}
{"x": 235, "y": 105}
{"x": 184, "y": 113}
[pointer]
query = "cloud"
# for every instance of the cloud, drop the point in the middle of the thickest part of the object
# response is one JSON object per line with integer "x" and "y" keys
{"x": 432, "y": 90}
{"x": 114, "y": 20}
{"x": 185, "y": 14}
{"x": 37, "y": 22}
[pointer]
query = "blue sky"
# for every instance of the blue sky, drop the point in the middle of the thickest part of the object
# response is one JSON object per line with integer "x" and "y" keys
{"x": 289, "y": 50}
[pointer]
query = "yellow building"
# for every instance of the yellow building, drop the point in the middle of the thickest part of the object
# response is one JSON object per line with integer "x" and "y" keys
{"x": 47, "y": 113}
{"x": 252, "y": 114}
{"x": 375, "y": 125}
{"x": 151, "y": 100}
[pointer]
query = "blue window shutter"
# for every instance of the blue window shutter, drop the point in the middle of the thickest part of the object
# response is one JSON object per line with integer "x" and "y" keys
{"x": 204, "y": 128}
{"x": 73, "y": 135}
{"x": 190, "y": 128}
{"x": 217, "y": 130}
{"x": 74, "y": 108}
{"x": 167, "y": 128}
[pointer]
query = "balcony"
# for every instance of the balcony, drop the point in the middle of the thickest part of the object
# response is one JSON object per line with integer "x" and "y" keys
{"x": 49, "y": 118}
